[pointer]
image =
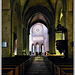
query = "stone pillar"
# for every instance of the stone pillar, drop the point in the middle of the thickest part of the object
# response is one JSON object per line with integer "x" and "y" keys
{"x": 44, "y": 48}
{"x": 52, "y": 41}
{"x": 24, "y": 43}
{"x": 12, "y": 37}
{"x": 57, "y": 12}
{"x": 31, "y": 49}
{"x": 35, "y": 49}
{"x": 69, "y": 26}
{"x": 27, "y": 38}
{"x": 6, "y": 28}
{"x": 10, "y": 40}
{"x": 12, "y": 44}
{"x": 39, "y": 47}
{"x": 19, "y": 40}
{"x": 15, "y": 23}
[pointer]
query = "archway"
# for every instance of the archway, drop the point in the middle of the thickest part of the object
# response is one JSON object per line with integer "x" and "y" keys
{"x": 41, "y": 15}
{"x": 38, "y": 38}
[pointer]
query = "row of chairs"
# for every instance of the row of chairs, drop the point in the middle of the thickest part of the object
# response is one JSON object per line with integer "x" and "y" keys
{"x": 59, "y": 66}
{"x": 17, "y": 65}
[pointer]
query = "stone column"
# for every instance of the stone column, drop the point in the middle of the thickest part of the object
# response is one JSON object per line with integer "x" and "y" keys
{"x": 52, "y": 41}
{"x": 24, "y": 39}
{"x": 6, "y": 28}
{"x": 39, "y": 47}
{"x": 69, "y": 26}
{"x": 35, "y": 49}
{"x": 19, "y": 40}
{"x": 44, "y": 48}
{"x": 27, "y": 44}
{"x": 12, "y": 44}
{"x": 10, "y": 37}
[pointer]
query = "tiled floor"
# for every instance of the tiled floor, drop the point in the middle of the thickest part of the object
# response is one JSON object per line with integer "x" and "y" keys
{"x": 38, "y": 67}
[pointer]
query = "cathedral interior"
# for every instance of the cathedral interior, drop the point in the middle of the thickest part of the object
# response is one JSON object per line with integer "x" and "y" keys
{"x": 37, "y": 37}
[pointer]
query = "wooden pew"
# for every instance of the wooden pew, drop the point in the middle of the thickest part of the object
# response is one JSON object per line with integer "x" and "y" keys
{"x": 22, "y": 64}
{"x": 15, "y": 60}
{"x": 62, "y": 65}
{"x": 11, "y": 67}
{"x": 66, "y": 72}
{"x": 56, "y": 61}
{"x": 14, "y": 63}
{"x": 7, "y": 72}
{"x": 17, "y": 67}
{"x": 60, "y": 68}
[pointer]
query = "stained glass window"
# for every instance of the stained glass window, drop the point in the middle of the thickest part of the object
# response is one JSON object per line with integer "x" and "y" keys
{"x": 37, "y": 29}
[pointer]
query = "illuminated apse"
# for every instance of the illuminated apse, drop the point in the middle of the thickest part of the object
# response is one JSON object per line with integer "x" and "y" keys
{"x": 38, "y": 39}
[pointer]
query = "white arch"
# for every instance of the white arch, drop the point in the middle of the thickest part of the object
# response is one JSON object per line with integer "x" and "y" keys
{"x": 41, "y": 38}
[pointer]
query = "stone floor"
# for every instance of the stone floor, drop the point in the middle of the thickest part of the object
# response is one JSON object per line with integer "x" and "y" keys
{"x": 38, "y": 67}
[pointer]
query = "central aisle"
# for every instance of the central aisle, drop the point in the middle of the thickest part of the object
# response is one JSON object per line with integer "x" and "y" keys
{"x": 38, "y": 67}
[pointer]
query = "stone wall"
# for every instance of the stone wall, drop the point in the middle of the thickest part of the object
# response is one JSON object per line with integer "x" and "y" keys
{"x": 6, "y": 27}
{"x": 69, "y": 26}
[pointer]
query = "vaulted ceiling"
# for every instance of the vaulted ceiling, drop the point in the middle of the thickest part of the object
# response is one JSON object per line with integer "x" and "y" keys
{"x": 22, "y": 6}
{"x": 54, "y": 6}
{"x": 26, "y": 4}
{"x": 34, "y": 2}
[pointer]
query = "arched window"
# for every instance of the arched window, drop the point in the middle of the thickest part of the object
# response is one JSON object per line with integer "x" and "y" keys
{"x": 42, "y": 48}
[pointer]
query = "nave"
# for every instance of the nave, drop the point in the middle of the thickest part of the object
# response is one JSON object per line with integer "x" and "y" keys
{"x": 37, "y": 27}
{"x": 38, "y": 67}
